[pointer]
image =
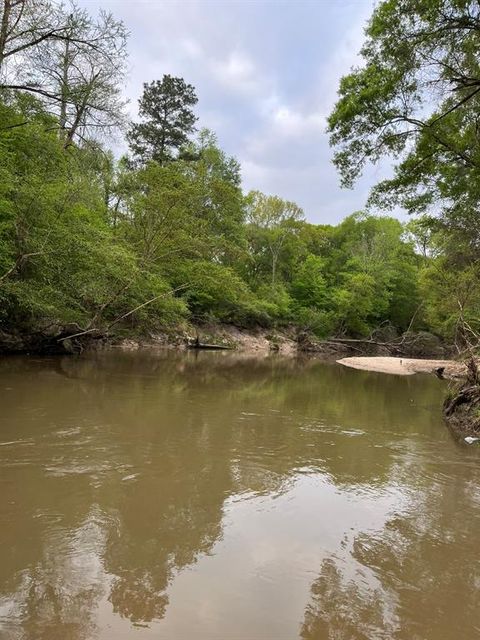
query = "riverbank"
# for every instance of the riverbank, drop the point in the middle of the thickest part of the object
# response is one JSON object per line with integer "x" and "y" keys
{"x": 64, "y": 339}
{"x": 287, "y": 340}
{"x": 461, "y": 407}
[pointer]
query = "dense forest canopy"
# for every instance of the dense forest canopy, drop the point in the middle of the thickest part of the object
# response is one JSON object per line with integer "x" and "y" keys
{"x": 166, "y": 234}
{"x": 416, "y": 99}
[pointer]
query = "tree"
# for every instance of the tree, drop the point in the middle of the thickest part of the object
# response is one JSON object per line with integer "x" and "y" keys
{"x": 416, "y": 98}
{"x": 168, "y": 120}
{"x": 158, "y": 218}
{"x": 272, "y": 220}
{"x": 25, "y": 24}
{"x": 192, "y": 207}
{"x": 78, "y": 72}
{"x": 60, "y": 261}
{"x": 375, "y": 247}
{"x": 219, "y": 201}
{"x": 309, "y": 287}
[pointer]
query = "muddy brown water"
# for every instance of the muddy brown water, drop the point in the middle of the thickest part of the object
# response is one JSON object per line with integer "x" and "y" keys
{"x": 215, "y": 496}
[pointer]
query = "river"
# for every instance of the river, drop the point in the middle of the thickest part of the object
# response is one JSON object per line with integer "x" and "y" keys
{"x": 215, "y": 496}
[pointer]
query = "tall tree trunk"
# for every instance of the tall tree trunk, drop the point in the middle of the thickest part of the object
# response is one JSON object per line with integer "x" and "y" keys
{"x": 64, "y": 89}
{"x": 70, "y": 133}
{"x": 274, "y": 268}
{"x": 7, "y": 8}
{"x": 80, "y": 111}
{"x": 162, "y": 142}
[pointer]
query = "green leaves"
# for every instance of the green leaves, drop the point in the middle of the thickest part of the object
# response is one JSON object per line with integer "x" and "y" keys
{"x": 114, "y": 247}
{"x": 416, "y": 99}
{"x": 168, "y": 120}
{"x": 309, "y": 285}
{"x": 60, "y": 259}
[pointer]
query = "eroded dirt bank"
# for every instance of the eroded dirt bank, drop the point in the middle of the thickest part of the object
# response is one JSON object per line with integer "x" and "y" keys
{"x": 287, "y": 340}
{"x": 56, "y": 339}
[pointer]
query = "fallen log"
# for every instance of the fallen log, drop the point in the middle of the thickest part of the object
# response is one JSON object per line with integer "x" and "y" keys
{"x": 203, "y": 345}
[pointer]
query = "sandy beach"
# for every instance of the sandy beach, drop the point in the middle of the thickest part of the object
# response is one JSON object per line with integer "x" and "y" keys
{"x": 404, "y": 366}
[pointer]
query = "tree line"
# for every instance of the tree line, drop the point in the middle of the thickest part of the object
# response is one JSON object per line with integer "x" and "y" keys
{"x": 166, "y": 234}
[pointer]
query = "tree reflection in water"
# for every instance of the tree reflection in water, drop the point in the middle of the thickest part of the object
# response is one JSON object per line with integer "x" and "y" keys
{"x": 342, "y": 609}
{"x": 56, "y": 597}
{"x": 413, "y": 588}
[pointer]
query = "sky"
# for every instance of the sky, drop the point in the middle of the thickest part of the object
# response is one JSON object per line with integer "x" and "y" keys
{"x": 266, "y": 73}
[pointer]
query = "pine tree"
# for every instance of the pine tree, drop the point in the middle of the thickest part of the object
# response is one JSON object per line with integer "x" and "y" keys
{"x": 166, "y": 110}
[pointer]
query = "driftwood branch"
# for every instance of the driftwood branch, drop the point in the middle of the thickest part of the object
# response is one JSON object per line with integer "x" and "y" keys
{"x": 125, "y": 315}
{"x": 80, "y": 333}
{"x": 144, "y": 304}
{"x": 18, "y": 262}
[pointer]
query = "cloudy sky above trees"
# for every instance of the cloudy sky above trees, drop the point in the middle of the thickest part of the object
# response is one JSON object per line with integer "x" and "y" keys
{"x": 266, "y": 74}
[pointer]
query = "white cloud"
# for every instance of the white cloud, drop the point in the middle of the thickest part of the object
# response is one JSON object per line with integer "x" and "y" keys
{"x": 237, "y": 73}
{"x": 191, "y": 47}
{"x": 289, "y": 122}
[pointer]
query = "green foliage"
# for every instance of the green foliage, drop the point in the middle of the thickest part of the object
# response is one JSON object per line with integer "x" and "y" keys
{"x": 277, "y": 299}
{"x": 309, "y": 286}
{"x": 271, "y": 223}
{"x": 60, "y": 259}
{"x": 416, "y": 99}
{"x": 89, "y": 242}
{"x": 168, "y": 119}
{"x": 451, "y": 295}
{"x": 355, "y": 303}
{"x": 216, "y": 292}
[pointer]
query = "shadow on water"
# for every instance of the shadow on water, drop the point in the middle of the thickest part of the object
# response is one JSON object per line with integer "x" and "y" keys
{"x": 133, "y": 484}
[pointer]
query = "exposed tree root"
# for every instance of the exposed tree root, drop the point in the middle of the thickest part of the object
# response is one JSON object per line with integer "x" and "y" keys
{"x": 462, "y": 407}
